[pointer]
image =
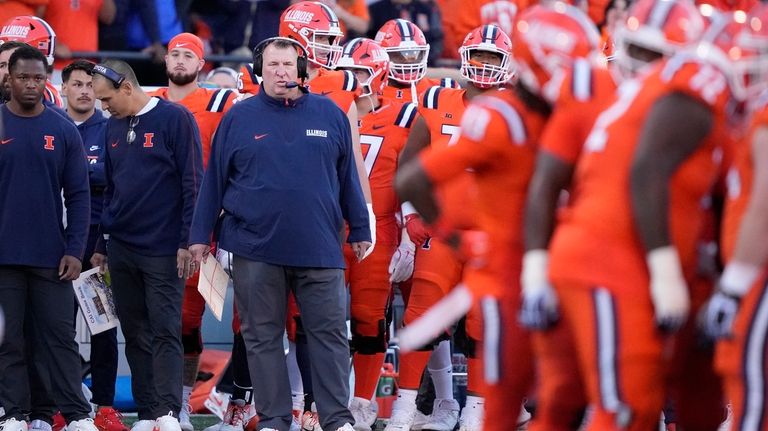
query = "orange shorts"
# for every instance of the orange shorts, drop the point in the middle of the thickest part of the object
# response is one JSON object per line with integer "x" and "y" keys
{"x": 623, "y": 359}
{"x": 369, "y": 288}
{"x": 437, "y": 269}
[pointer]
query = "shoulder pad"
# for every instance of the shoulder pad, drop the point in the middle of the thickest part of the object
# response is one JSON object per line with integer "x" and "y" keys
{"x": 219, "y": 99}
{"x": 582, "y": 80}
{"x": 350, "y": 82}
{"x": 431, "y": 96}
{"x": 449, "y": 83}
{"x": 406, "y": 115}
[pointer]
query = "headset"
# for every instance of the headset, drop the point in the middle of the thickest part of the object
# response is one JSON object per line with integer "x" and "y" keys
{"x": 116, "y": 78}
{"x": 301, "y": 61}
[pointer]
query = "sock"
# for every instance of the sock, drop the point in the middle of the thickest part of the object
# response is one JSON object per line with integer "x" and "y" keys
{"x": 186, "y": 392}
{"x": 412, "y": 365}
{"x": 367, "y": 372}
{"x": 298, "y": 402}
{"x": 191, "y": 366}
{"x": 294, "y": 375}
{"x": 441, "y": 356}
{"x": 241, "y": 393}
{"x": 240, "y": 374}
{"x": 443, "y": 380}
{"x": 475, "y": 379}
{"x": 441, "y": 370}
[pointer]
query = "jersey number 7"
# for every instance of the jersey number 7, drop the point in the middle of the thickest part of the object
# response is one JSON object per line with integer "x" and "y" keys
{"x": 371, "y": 146}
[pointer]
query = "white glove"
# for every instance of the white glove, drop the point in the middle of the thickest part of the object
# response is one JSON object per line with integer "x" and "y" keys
{"x": 669, "y": 291}
{"x": 372, "y": 224}
{"x": 716, "y": 319}
{"x": 225, "y": 260}
{"x": 539, "y": 308}
{"x": 401, "y": 265}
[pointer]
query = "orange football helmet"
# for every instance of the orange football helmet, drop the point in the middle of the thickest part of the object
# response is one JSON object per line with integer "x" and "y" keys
{"x": 654, "y": 29}
{"x": 305, "y": 22}
{"x": 33, "y": 31}
{"x": 366, "y": 54}
{"x": 486, "y": 38}
{"x": 546, "y": 40}
{"x": 407, "y": 48}
{"x": 737, "y": 43}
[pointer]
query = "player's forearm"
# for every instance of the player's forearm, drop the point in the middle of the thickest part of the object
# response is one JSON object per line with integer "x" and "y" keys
{"x": 650, "y": 204}
{"x": 413, "y": 185}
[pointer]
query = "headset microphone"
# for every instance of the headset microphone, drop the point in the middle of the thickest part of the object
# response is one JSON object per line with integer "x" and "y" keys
{"x": 291, "y": 84}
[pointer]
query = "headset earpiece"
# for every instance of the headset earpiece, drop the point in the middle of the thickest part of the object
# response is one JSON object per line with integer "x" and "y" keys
{"x": 301, "y": 61}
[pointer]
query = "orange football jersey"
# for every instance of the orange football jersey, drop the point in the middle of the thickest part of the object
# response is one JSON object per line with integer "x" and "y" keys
{"x": 596, "y": 241}
{"x": 383, "y": 134}
{"x": 208, "y": 106}
{"x": 442, "y": 109}
{"x": 415, "y": 92}
{"x": 498, "y": 142}
{"x": 739, "y": 184}
{"x": 585, "y": 92}
{"x": 52, "y": 95}
{"x": 338, "y": 85}
{"x": 247, "y": 81}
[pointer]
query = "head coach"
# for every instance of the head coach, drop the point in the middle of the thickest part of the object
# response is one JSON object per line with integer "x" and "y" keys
{"x": 282, "y": 169}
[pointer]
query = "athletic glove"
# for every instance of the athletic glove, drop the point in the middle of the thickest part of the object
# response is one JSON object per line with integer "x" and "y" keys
{"x": 669, "y": 291}
{"x": 401, "y": 265}
{"x": 417, "y": 230}
{"x": 372, "y": 225}
{"x": 717, "y": 317}
{"x": 539, "y": 308}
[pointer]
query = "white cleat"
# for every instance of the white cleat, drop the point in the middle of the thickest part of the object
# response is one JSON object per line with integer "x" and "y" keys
{"x": 524, "y": 418}
{"x": 235, "y": 417}
{"x": 82, "y": 425}
{"x": 472, "y": 418}
{"x": 445, "y": 415}
{"x": 143, "y": 425}
{"x": 168, "y": 422}
{"x": 403, "y": 415}
{"x": 14, "y": 425}
{"x": 365, "y": 413}
{"x": 39, "y": 425}
{"x": 217, "y": 403}
{"x": 419, "y": 421}
{"x": 346, "y": 427}
{"x": 310, "y": 421}
{"x": 186, "y": 409}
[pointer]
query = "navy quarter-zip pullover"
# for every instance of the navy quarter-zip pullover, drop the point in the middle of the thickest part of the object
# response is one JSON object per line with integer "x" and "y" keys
{"x": 284, "y": 174}
{"x": 93, "y": 131}
{"x": 152, "y": 182}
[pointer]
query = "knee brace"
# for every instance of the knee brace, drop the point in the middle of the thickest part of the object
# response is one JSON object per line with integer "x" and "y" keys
{"x": 463, "y": 342}
{"x": 367, "y": 345}
{"x": 192, "y": 342}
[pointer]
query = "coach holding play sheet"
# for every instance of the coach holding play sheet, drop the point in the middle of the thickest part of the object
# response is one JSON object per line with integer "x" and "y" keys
{"x": 283, "y": 171}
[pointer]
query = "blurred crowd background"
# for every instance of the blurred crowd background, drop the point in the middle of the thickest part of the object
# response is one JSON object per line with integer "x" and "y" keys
{"x": 228, "y": 27}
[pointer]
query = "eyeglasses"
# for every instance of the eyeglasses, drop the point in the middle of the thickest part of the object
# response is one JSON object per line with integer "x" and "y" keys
{"x": 131, "y": 134}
